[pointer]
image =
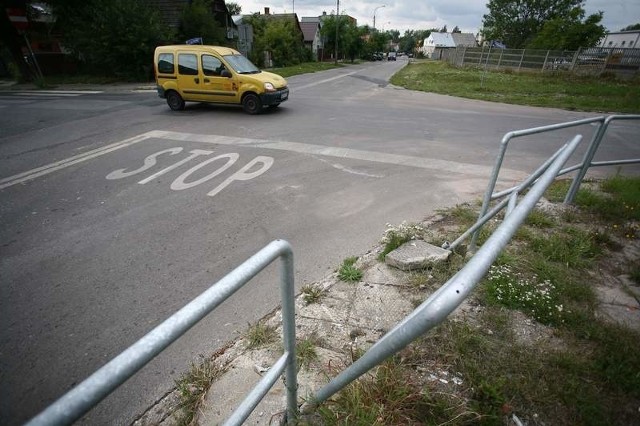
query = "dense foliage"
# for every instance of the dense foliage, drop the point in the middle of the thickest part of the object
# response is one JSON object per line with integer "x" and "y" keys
{"x": 197, "y": 20}
{"x": 111, "y": 37}
{"x": 278, "y": 37}
{"x": 538, "y": 23}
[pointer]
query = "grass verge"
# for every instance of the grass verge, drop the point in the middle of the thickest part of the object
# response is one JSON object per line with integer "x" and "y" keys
{"x": 556, "y": 90}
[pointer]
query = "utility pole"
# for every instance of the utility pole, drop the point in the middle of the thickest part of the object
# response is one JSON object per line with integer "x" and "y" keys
{"x": 336, "y": 43}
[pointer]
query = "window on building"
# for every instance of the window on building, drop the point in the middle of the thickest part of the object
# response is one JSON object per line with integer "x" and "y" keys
{"x": 610, "y": 43}
{"x": 623, "y": 42}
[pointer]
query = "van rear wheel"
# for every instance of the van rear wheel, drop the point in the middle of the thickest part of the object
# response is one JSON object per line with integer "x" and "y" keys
{"x": 175, "y": 101}
{"x": 251, "y": 104}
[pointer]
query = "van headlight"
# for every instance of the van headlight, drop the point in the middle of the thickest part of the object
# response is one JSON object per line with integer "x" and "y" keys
{"x": 269, "y": 87}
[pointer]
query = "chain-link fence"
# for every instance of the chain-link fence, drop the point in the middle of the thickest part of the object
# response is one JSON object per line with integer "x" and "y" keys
{"x": 592, "y": 61}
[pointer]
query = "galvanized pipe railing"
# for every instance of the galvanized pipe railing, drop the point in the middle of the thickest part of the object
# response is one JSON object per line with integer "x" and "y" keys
{"x": 586, "y": 163}
{"x": 448, "y": 297}
{"x": 591, "y": 152}
{"x": 79, "y": 400}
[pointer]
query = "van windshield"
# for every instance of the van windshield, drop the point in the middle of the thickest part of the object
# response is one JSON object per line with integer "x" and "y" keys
{"x": 241, "y": 65}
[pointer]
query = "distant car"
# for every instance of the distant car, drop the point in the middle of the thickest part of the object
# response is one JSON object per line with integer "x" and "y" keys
{"x": 391, "y": 56}
{"x": 376, "y": 56}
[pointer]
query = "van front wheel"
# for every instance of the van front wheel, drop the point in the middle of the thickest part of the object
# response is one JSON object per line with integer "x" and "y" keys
{"x": 175, "y": 101}
{"x": 251, "y": 104}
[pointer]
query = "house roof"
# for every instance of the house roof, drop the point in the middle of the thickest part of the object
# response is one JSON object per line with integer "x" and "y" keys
{"x": 309, "y": 29}
{"x": 441, "y": 40}
{"x": 464, "y": 39}
{"x": 292, "y": 17}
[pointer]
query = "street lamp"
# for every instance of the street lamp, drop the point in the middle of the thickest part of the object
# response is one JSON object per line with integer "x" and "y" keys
{"x": 374, "y": 15}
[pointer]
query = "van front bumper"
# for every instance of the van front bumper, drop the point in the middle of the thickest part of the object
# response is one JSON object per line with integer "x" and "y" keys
{"x": 161, "y": 92}
{"x": 273, "y": 98}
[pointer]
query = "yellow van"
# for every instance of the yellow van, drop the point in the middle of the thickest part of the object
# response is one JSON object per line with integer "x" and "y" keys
{"x": 215, "y": 74}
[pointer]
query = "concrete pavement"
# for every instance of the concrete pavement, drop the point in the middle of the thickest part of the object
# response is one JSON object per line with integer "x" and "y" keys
{"x": 348, "y": 319}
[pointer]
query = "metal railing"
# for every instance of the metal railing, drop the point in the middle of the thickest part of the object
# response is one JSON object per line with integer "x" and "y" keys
{"x": 79, "y": 400}
{"x": 582, "y": 167}
{"x": 448, "y": 297}
{"x": 594, "y": 60}
{"x": 430, "y": 313}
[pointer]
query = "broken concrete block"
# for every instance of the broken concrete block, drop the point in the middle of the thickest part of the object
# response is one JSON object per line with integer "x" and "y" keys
{"x": 416, "y": 254}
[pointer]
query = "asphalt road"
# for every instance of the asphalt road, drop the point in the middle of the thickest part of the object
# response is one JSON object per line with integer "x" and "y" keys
{"x": 116, "y": 211}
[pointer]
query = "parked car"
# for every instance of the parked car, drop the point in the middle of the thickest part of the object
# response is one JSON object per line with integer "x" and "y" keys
{"x": 376, "y": 56}
{"x": 391, "y": 56}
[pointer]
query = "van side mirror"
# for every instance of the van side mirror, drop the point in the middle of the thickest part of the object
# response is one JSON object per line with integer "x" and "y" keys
{"x": 225, "y": 73}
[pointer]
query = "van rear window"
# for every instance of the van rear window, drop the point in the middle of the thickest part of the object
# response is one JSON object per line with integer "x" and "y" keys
{"x": 187, "y": 64}
{"x": 165, "y": 63}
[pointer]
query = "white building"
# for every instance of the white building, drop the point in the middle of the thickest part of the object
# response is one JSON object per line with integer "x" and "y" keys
{"x": 433, "y": 45}
{"x": 624, "y": 39}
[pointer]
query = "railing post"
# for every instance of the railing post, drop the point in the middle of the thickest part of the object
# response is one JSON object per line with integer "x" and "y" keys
{"x": 586, "y": 161}
{"x": 521, "y": 59}
{"x": 544, "y": 65}
{"x": 492, "y": 184}
{"x": 289, "y": 335}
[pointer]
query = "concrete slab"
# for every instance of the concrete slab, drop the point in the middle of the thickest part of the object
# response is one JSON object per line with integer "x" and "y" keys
{"x": 416, "y": 254}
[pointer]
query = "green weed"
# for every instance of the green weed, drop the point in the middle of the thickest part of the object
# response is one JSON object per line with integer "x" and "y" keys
{"x": 306, "y": 351}
{"x": 348, "y": 272}
{"x": 193, "y": 386}
{"x": 260, "y": 334}
{"x": 312, "y": 293}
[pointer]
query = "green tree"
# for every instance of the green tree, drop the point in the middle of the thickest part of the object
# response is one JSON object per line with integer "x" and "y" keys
{"x": 377, "y": 41}
{"x": 11, "y": 39}
{"x": 197, "y": 20}
{"x": 234, "y": 8}
{"x": 354, "y": 45}
{"x": 517, "y": 23}
{"x": 328, "y": 33}
{"x": 394, "y": 35}
{"x": 412, "y": 38}
{"x": 570, "y": 33}
{"x": 633, "y": 27}
{"x": 111, "y": 37}
{"x": 278, "y": 37}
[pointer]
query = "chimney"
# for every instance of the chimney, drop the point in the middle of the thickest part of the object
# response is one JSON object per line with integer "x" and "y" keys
{"x": 266, "y": 10}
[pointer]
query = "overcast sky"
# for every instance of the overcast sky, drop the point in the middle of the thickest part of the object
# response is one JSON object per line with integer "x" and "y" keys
{"x": 425, "y": 14}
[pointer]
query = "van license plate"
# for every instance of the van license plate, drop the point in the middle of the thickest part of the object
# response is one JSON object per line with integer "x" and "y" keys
{"x": 284, "y": 96}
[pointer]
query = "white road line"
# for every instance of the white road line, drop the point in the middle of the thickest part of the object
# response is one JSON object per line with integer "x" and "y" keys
{"x": 301, "y": 148}
{"x": 354, "y": 154}
{"x": 71, "y": 92}
{"x": 326, "y": 80}
{"x": 44, "y": 95}
{"x": 59, "y": 165}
